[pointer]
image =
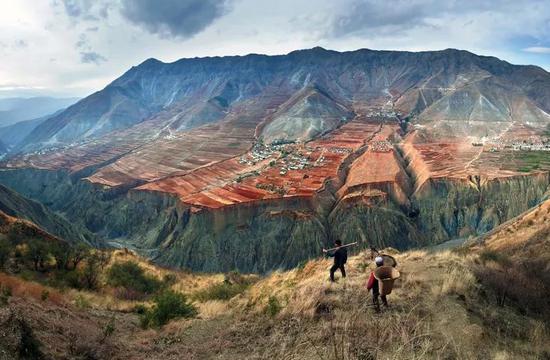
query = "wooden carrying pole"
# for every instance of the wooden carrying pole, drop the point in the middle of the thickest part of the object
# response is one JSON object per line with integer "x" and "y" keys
{"x": 342, "y": 246}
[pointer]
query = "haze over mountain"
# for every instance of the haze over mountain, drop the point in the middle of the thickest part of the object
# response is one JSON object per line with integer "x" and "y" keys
{"x": 13, "y": 110}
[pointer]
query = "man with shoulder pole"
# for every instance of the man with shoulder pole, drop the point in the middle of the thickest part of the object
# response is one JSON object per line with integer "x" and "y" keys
{"x": 340, "y": 254}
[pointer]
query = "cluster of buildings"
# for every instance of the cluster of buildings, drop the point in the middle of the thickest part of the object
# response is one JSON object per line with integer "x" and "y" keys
{"x": 389, "y": 113}
{"x": 531, "y": 144}
{"x": 380, "y": 146}
{"x": 294, "y": 161}
{"x": 340, "y": 150}
{"x": 258, "y": 153}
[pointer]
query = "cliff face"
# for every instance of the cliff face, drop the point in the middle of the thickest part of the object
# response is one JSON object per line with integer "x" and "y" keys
{"x": 279, "y": 233}
{"x": 449, "y": 209}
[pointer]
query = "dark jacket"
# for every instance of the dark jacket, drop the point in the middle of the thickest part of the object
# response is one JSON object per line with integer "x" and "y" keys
{"x": 340, "y": 256}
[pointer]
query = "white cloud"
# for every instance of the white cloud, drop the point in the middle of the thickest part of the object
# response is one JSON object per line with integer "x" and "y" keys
{"x": 538, "y": 50}
{"x": 93, "y": 42}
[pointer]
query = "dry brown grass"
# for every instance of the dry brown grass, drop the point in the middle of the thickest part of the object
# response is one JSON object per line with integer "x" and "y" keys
{"x": 22, "y": 288}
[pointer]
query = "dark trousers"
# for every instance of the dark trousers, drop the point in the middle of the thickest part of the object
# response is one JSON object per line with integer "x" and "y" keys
{"x": 376, "y": 294}
{"x": 375, "y": 300}
{"x": 336, "y": 267}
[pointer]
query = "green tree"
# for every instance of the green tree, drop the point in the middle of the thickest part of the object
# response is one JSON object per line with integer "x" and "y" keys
{"x": 61, "y": 252}
{"x": 37, "y": 253}
{"x": 92, "y": 269}
{"x": 77, "y": 254}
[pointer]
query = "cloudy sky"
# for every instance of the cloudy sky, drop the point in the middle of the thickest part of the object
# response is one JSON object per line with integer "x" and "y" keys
{"x": 75, "y": 47}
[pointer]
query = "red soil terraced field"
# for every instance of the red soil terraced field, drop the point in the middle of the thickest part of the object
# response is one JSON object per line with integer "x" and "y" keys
{"x": 453, "y": 158}
{"x": 78, "y": 157}
{"x": 152, "y": 150}
{"x": 377, "y": 168}
{"x": 295, "y": 170}
{"x": 522, "y": 132}
{"x": 181, "y": 153}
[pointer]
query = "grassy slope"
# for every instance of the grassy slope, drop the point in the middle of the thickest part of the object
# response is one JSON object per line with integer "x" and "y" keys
{"x": 438, "y": 310}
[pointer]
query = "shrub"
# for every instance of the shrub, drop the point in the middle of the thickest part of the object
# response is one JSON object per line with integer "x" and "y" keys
{"x": 221, "y": 291}
{"x": 273, "y": 306}
{"x": 29, "y": 347}
{"x": 95, "y": 262}
{"x": 233, "y": 285}
{"x": 44, "y": 295}
{"x": 37, "y": 253}
{"x": 518, "y": 284}
{"x": 5, "y": 250}
{"x": 169, "y": 279}
{"x": 63, "y": 278}
{"x": 490, "y": 255}
{"x": 131, "y": 276}
{"x": 108, "y": 329}
{"x": 168, "y": 305}
{"x": 5, "y": 294}
{"x": 81, "y": 302}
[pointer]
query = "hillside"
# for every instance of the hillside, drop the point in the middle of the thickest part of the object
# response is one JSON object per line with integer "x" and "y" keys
{"x": 14, "y": 205}
{"x": 457, "y": 87}
{"x": 447, "y": 304}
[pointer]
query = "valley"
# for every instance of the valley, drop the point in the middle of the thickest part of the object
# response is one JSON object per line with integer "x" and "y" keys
{"x": 256, "y": 165}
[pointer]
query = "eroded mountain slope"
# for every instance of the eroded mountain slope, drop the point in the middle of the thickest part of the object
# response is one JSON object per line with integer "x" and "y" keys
{"x": 387, "y": 148}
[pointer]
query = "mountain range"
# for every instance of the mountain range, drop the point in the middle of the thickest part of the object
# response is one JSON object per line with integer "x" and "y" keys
{"x": 256, "y": 162}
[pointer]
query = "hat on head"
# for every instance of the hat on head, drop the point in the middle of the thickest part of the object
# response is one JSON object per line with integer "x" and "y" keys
{"x": 379, "y": 260}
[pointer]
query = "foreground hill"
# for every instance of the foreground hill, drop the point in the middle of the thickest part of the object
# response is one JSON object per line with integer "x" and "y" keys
{"x": 447, "y": 304}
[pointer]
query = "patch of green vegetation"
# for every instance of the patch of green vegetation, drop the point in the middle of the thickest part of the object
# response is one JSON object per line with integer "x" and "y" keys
{"x": 81, "y": 302}
{"x": 223, "y": 291}
{"x": 462, "y": 250}
{"x": 233, "y": 285}
{"x": 168, "y": 305}
{"x": 273, "y": 306}
{"x": 533, "y": 160}
{"x": 29, "y": 346}
{"x": 233, "y": 144}
{"x": 130, "y": 275}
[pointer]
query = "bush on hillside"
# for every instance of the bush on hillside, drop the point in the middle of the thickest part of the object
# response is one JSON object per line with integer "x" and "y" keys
{"x": 131, "y": 276}
{"x": 495, "y": 256}
{"x": 233, "y": 285}
{"x": 522, "y": 284}
{"x": 273, "y": 306}
{"x": 221, "y": 291}
{"x": 168, "y": 305}
{"x": 93, "y": 267}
